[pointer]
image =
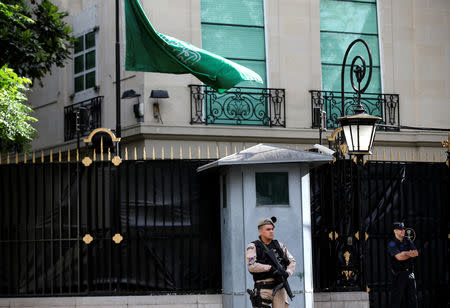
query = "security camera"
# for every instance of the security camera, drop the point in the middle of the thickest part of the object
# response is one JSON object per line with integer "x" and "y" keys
{"x": 324, "y": 149}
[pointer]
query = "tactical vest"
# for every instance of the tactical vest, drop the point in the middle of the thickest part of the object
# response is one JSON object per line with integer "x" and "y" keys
{"x": 263, "y": 258}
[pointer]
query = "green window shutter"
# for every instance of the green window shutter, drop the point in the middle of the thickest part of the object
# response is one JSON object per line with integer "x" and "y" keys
{"x": 90, "y": 40}
{"x": 79, "y": 64}
{"x": 341, "y": 22}
{"x": 79, "y": 44}
{"x": 90, "y": 59}
{"x": 79, "y": 83}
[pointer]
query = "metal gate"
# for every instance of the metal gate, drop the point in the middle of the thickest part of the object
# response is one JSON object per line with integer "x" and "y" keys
{"x": 142, "y": 227}
{"x": 353, "y": 208}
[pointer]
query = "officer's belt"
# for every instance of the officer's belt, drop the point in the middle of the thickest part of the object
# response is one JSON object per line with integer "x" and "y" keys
{"x": 265, "y": 285}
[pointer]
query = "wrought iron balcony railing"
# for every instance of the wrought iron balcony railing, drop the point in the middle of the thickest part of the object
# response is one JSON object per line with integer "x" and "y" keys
{"x": 81, "y": 118}
{"x": 385, "y": 106}
{"x": 238, "y": 106}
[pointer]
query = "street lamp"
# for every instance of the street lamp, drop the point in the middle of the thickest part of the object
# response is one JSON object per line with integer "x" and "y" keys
{"x": 359, "y": 128}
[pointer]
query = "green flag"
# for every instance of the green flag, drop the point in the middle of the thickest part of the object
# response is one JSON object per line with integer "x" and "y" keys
{"x": 150, "y": 51}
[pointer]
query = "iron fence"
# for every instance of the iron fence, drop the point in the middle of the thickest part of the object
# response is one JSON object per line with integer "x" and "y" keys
{"x": 351, "y": 232}
{"x": 82, "y": 118}
{"x": 239, "y": 106}
{"x": 140, "y": 227}
{"x": 386, "y": 106}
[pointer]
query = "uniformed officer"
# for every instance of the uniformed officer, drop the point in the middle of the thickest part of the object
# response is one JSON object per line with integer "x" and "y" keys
{"x": 402, "y": 252}
{"x": 264, "y": 274}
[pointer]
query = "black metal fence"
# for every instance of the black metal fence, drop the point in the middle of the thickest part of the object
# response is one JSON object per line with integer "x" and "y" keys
{"x": 351, "y": 231}
{"x": 82, "y": 118}
{"x": 238, "y": 106}
{"x": 386, "y": 106}
{"x": 138, "y": 228}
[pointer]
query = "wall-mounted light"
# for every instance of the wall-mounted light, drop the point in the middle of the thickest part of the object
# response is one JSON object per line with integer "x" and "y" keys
{"x": 158, "y": 94}
{"x": 138, "y": 108}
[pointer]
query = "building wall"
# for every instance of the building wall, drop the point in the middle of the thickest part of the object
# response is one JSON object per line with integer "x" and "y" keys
{"x": 415, "y": 56}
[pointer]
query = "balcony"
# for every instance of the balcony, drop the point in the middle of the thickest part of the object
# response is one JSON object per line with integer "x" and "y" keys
{"x": 238, "y": 106}
{"x": 84, "y": 116}
{"x": 385, "y": 106}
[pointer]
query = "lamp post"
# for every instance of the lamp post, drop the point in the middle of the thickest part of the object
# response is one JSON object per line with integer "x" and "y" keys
{"x": 359, "y": 132}
{"x": 359, "y": 128}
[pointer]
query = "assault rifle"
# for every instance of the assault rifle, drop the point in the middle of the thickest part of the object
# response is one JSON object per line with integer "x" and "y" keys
{"x": 282, "y": 281}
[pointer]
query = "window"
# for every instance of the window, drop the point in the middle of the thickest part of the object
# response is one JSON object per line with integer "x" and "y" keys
{"x": 341, "y": 22}
{"x": 272, "y": 188}
{"x": 85, "y": 62}
{"x": 234, "y": 29}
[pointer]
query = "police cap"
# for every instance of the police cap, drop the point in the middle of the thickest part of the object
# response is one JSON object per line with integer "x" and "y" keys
{"x": 267, "y": 221}
{"x": 398, "y": 225}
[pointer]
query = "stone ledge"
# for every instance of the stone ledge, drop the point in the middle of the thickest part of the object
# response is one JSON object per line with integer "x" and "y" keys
{"x": 160, "y": 301}
{"x": 341, "y": 300}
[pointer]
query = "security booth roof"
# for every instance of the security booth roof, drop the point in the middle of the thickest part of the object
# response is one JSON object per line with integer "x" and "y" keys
{"x": 269, "y": 154}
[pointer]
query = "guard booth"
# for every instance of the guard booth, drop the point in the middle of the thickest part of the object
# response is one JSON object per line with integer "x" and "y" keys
{"x": 265, "y": 181}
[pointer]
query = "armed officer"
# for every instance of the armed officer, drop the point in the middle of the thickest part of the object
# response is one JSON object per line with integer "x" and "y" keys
{"x": 403, "y": 253}
{"x": 267, "y": 275}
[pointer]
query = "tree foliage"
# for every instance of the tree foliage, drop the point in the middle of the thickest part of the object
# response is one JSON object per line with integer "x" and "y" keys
{"x": 15, "y": 128}
{"x": 33, "y": 37}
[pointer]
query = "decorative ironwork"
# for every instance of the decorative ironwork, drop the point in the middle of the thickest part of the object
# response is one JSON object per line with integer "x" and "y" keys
{"x": 81, "y": 118}
{"x": 385, "y": 106}
{"x": 239, "y": 106}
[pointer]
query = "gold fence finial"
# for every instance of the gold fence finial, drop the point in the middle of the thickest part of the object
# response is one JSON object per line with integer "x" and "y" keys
{"x": 68, "y": 155}
{"x": 126, "y": 153}
{"x": 34, "y": 157}
{"x": 217, "y": 151}
{"x": 17, "y": 157}
{"x": 171, "y": 152}
{"x": 419, "y": 155}
{"x": 199, "y": 155}
{"x": 398, "y": 156}
{"x": 101, "y": 148}
{"x": 207, "y": 152}
{"x": 190, "y": 153}
{"x": 7, "y": 159}
{"x": 78, "y": 155}
{"x": 153, "y": 154}
{"x": 24, "y": 158}
{"x": 144, "y": 155}
{"x": 42, "y": 156}
{"x": 427, "y": 157}
{"x": 51, "y": 155}
{"x": 109, "y": 154}
{"x": 95, "y": 156}
{"x": 181, "y": 152}
{"x": 135, "y": 153}
{"x": 235, "y": 149}
{"x": 406, "y": 155}
{"x": 226, "y": 150}
{"x": 376, "y": 155}
{"x": 384, "y": 155}
{"x": 412, "y": 156}
{"x": 59, "y": 156}
{"x": 162, "y": 152}
{"x": 391, "y": 155}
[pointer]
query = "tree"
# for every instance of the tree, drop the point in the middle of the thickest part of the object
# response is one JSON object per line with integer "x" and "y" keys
{"x": 15, "y": 128}
{"x": 33, "y": 37}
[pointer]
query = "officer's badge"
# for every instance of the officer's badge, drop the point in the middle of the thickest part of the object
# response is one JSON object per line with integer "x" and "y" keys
{"x": 251, "y": 260}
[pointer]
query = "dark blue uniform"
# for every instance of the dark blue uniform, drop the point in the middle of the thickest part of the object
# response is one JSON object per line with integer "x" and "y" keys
{"x": 404, "y": 284}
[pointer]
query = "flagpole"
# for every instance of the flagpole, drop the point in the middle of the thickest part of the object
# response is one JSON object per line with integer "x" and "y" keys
{"x": 118, "y": 125}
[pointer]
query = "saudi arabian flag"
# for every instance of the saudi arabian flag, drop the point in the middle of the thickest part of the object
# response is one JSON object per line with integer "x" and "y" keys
{"x": 150, "y": 51}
